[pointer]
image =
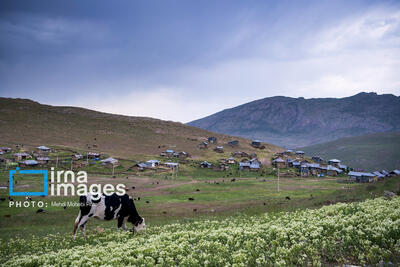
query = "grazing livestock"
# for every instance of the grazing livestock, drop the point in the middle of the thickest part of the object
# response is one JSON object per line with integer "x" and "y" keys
{"x": 39, "y": 211}
{"x": 191, "y": 199}
{"x": 108, "y": 207}
{"x": 287, "y": 198}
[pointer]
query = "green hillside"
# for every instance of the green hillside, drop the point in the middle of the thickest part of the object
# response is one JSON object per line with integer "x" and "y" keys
{"x": 369, "y": 152}
{"x": 28, "y": 123}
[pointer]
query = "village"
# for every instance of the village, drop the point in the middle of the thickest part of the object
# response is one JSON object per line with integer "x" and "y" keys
{"x": 168, "y": 163}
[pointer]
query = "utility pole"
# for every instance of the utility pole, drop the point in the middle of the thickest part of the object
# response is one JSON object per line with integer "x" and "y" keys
{"x": 57, "y": 162}
{"x": 278, "y": 180}
{"x": 71, "y": 164}
{"x": 113, "y": 170}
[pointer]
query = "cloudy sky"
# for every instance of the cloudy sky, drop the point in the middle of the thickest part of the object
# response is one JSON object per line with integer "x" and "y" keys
{"x": 183, "y": 60}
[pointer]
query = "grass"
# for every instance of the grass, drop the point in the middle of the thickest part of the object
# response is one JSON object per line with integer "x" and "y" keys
{"x": 369, "y": 152}
{"x": 31, "y": 124}
{"x": 214, "y": 195}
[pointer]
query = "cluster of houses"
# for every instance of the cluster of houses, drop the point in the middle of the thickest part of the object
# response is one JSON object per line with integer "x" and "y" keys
{"x": 246, "y": 162}
{"x": 213, "y": 140}
{"x": 41, "y": 157}
{"x": 38, "y": 157}
{"x": 153, "y": 164}
{"x": 233, "y": 143}
{"x": 319, "y": 167}
{"x": 169, "y": 153}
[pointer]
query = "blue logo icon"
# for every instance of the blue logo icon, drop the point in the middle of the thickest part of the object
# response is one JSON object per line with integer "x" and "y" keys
{"x": 45, "y": 189}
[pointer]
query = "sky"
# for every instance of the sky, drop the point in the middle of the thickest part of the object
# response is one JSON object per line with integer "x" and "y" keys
{"x": 184, "y": 60}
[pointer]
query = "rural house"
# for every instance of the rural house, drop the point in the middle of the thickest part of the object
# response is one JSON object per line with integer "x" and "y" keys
{"x": 294, "y": 163}
{"x": 231, "y": 161}
{"x": 169, "y": 152}
{"x": 172, "y": 165}
{"x": 77, "y": 156}
{"x": 304, "y": 171}
{"x": 203, "y": 145}
{"x": 110, "y": 162}
{"x": 43, "y": 160}
{"x": 205, "y": 164}
{"x": 256, "y": 143}
{"x": 379, "y": 175}
{"x": 333, "y": 171}
{"x": 219, "y": 149}
{"x": 93, "y": 155}
{"x": 317, "y": 159}
{"x": 255, "y": 164}
{"x": 288, "y": 152}
{"x": 313, "y": 168}
{"x": 334, "y": 162}
{"x": 28, "y": 163}
{"x": 300, "y": 153}
{"x": 244, "y": 165}
{"x": 279, "y": 163}
{"x": 43, "y": 149}
{"x": 240, "y": 154}
{"x": 5, "y": 149}
{"x": 212, "y": 140}
{"x": 384, "y": 172}
{"x": 233, "y": 143}
{"x": 342, "y": 167}
{"x": 183, "y": 155}
{"x": 21, "y": 156}
{"x": 152, "y": 163}
{"x": 362, "y": 177}
{"x": 395, "y": 172}
{"x": 223, "y": 167}
{"x": 140, "y": 166}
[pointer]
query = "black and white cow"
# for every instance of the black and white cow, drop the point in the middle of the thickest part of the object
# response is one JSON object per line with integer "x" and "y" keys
{"x": 108, "y": 207}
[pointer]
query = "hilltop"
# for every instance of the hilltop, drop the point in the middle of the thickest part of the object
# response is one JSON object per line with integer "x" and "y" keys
{"x": 30, "y": 123}
{"x": 369, "y": 152}
{"x": 296, "y": 122}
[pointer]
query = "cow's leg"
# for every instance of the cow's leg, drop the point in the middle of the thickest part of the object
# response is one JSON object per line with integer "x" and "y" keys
{"x": 124, "y": 223}
{"x": 120, "y": 222}
{"x": 83, "y": 228}
{"x": 76, "y": 224}
{"x": 82, "y": 223}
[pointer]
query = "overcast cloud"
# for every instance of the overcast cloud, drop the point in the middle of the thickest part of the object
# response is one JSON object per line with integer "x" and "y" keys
{"x": 183, "y": 60}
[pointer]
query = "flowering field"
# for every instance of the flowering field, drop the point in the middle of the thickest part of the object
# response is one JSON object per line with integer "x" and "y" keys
{"x": 358, "y": 233}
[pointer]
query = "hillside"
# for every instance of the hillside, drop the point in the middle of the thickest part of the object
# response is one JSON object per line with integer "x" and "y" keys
{"x": 369, "y": 152}
{"x": 295, "y": 122}
{"x": 29, "y": 123}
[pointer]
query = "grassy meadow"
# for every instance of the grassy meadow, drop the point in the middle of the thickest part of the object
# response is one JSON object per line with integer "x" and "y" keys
{"x": 165, "y": 199}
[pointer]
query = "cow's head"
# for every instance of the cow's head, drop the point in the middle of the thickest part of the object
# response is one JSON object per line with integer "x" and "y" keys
{"x": 138, "y": 223}
{"x": 140, "y": 226}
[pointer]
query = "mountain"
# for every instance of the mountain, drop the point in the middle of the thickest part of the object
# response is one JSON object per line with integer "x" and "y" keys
{"x": 296, "y": 122}
{"x": 28, "y": 123}
{"x": 370, "y": 152}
